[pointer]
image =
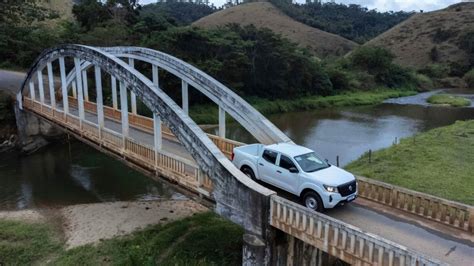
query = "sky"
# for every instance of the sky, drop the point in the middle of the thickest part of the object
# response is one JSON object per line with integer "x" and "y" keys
{"x": 381, "y": 5}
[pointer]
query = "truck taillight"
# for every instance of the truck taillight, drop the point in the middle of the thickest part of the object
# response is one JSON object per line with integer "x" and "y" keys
{"x": 232, "y": 156}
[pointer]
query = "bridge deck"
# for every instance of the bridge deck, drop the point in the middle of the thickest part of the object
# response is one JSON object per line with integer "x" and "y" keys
{"x": 389, "y": 224}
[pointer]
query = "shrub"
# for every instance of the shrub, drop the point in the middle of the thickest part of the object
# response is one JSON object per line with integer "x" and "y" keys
{"x": 469, "y": 78}
{"x": 436, "y": 71}
{"x": 423, "y": 82}
{"x": 395, "y": 76}
{"x": 340, "y": 79}
{"x": 372, "y": 58}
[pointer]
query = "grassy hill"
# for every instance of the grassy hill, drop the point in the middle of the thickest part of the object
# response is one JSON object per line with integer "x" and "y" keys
{"x": 266, "y": 15}
{"x": 428, "y": 38}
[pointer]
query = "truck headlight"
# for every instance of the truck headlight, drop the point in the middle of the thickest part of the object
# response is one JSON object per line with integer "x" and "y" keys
{"x": 330, "y": 188}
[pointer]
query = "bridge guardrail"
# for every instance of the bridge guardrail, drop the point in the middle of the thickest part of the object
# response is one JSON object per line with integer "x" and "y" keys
{"x": 454, "y": 214}
{"x": 339, "y": 239}
{"x": 146, "y": 124}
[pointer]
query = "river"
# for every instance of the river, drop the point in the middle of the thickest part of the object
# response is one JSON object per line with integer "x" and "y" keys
{"x": 73, "y": 173}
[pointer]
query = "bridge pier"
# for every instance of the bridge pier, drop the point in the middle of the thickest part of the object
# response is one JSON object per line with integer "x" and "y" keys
{"x": 33, "y": 132}
{"x": 253, "y": 251}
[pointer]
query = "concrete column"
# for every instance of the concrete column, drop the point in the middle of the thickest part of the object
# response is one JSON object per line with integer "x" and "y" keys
{"x": 80, "y": 99}
{"x": 40, "y": 86}
{"x": 99, "y": 100}
{"x": 157, "y": 132}
{"x": 32, "y": 90}
{"x": 221, "y": 122}
{"x": 124, "y": 109}
{"x": 184, "y": 91}
{"x": 19, "y": 99}
{"x": 133, "y": 99}
{"x": 156, "y": 78}
{"x": 114, "y": 93}
{"x": 62, "y": 70}
{"x": 51, "y": 85}
{"x": 74, "y": 90}
{"x": 85, "y": 86}
{"x": 253, "y": 251}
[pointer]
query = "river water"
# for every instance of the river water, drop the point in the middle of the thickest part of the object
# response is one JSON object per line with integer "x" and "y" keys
{"x": 73, "y": 173}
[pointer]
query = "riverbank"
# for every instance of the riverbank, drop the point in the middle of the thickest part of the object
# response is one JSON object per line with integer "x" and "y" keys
{"x": 163, "y": 232}
{"x": 437, "y": 162}
{"x": 208, "y": 114}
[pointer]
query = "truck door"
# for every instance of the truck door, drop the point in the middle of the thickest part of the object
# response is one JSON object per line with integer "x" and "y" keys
{"x": 267, "y": 167}
{"x": 286, "y": 175}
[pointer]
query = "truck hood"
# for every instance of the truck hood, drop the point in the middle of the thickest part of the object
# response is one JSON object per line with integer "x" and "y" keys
{"x": 333, "y": 176}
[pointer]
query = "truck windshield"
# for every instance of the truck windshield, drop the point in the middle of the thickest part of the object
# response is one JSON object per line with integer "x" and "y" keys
{"x": 310, "y": 162}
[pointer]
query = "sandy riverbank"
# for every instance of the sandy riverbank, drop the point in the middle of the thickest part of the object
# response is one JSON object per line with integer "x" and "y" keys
{"x": 90, "y": 223}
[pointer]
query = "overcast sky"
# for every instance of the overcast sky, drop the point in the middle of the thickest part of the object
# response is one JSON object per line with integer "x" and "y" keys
{"x": 381, "y": 5}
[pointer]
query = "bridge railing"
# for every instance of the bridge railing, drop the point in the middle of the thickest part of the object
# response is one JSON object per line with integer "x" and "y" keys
{"x": 339, "y": 239}
{"x": 454, "y": 214}
{"x": 146, "y": 124}
{"x": 180, "y": 170}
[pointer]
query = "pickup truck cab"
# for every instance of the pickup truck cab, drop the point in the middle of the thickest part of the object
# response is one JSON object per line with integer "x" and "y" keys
{"x": 297, "y": 170}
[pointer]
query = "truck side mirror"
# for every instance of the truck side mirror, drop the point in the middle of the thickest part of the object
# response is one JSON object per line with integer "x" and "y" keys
{"x": 293, "y": 170}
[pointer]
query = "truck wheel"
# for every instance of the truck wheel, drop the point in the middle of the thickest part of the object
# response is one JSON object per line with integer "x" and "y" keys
{"x": 248, "y": 172}
{"x": 313, "y": 201}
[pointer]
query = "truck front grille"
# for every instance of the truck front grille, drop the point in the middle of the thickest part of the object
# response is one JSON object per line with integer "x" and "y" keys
{"x": 347, "y": 188}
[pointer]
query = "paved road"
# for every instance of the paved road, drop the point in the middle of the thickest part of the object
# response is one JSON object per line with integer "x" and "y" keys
{"x": 10, "y": 80}
{"x": 451, "y": 247}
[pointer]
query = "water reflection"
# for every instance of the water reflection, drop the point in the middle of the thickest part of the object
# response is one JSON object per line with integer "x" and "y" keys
{"x": 63, "y": 175}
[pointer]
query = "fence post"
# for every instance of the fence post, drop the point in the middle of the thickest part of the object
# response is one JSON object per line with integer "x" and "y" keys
{"x": 471, "y": 220}
{"x": 394, "y": 198}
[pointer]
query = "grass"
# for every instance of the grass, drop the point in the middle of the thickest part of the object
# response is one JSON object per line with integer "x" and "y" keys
{"x": 207, "y": 114}
{"x": 202, "y": 239}
{"x": 437, "y": 162}
{"x": 25, "y": 243}
{"x": 454, "y": 101}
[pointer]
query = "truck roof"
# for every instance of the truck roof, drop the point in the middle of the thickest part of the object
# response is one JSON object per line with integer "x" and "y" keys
{"x": 289, "y": 149}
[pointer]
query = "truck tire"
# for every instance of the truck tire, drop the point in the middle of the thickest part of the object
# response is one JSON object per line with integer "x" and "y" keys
{"x": 313, "y": 201}
{"x": 248, "y": 172}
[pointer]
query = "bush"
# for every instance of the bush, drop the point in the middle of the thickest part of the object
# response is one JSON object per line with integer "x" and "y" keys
{"x": 469, "y": 78}
{"x": 372, "y": 58}
{"x": 436, "y": 71}
{"x": 395, "y": 76}
{"x": 340, "y": 79}
{"x": 423, "y": 82}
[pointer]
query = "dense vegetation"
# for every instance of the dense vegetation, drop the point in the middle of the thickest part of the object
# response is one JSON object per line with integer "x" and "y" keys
{"x": 203, "y": 239}
{"x": 421, "y": 163}
{"x": 352, "y": 21}
{"x": 253, "y": 62}
{"x": 179, "y": 13}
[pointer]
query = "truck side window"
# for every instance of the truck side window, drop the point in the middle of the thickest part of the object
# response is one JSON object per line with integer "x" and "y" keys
{"x": 269, "y": 156}
{"x": 286, "y": 162}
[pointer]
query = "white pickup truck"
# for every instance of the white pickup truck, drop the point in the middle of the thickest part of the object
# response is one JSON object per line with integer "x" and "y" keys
{"x": 298, "y": 170}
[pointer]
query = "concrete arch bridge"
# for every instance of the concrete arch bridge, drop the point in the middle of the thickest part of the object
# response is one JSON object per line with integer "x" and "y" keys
{"x": 66, "y": 86}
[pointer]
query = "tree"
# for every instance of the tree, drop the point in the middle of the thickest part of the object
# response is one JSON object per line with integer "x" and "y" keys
{"x": 90, "y": 13}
